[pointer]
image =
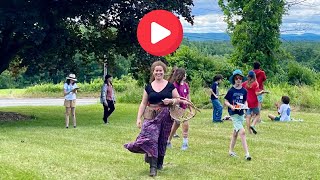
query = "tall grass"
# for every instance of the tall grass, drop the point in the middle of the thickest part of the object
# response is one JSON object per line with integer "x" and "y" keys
{"x": 128, "y": 91}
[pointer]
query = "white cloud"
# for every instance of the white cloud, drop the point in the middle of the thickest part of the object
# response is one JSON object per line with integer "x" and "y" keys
{"x": 301, "y": 18}
{"x": 205, "y": 24}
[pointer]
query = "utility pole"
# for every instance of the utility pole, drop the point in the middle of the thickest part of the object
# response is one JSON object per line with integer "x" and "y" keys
{"x": 105, "y": 66}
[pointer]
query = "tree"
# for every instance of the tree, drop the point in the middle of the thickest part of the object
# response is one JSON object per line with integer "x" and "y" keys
{"x": 254, "y": 27}
{"x": 48, "y": 33}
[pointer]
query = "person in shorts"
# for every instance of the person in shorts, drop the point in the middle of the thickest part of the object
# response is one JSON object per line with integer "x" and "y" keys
{"x": 252, "y": 87}
{"x": 237, "y": 94}
{"x": 70, "y": 90}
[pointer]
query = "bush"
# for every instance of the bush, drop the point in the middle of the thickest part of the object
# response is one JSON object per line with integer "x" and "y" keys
{"x": 300, "y": 75}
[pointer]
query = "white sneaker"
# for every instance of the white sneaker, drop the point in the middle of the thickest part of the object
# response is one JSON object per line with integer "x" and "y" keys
{"x": 169, "y": 145}
{"x": 184, "y": 146}
{"x": 248, "y": 157}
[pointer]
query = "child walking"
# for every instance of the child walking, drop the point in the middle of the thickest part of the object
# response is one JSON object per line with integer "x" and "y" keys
{"x": 237, "y": 94}
{"x": 283, "y": 110}
{"x": 178, "y": 78}
{"x": 252, "y": 87}
{"x": 216, "y": 105}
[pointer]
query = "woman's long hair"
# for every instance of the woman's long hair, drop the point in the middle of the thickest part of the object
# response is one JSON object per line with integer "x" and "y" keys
{"x": 153, "y": 66}
{"x": 251, "y": 79}
{"x": 171, "y": 77}
{"x": 178, "y": 75}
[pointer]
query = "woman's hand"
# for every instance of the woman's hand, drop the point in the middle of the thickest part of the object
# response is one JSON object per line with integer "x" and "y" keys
{"x": 184, "y": 102}
{"x": 139, "y": 123}
{"x": 167, "y": 101}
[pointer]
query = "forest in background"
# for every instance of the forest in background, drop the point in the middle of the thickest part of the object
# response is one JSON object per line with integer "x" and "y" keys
{"x": 298, "y": 64}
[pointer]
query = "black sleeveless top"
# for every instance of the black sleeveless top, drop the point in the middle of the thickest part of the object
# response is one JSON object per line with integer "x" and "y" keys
{"x": 157, "y": 97}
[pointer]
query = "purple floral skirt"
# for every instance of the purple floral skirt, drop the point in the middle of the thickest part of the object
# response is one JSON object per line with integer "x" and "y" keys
{"x": 153, "y": 137}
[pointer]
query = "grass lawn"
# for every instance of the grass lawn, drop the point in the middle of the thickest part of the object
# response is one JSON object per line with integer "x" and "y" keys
{"x": 43, "y": 149}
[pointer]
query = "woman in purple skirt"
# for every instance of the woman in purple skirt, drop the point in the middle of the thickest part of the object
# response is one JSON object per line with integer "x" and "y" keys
{"x": 152, "y": 140}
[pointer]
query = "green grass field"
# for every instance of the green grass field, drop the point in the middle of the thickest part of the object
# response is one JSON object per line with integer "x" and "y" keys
{"x": 43, "y": 149}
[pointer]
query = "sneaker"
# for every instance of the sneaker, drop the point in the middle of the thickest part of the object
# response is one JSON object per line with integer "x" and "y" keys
{"x": 253, "y": 130}
{"x": 169, "y": 145}
{"x": 74, "y": 126}
{"x": 232, "y": 154}
{"x": 176, "y": 136}
{"x": 248, "y": 157}
{"x": 226, "y": 118}
{"x": 67, "y": 127}
{"x": 184, "y": 146}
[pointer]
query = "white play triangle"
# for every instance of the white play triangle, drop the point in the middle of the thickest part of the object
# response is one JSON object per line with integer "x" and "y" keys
{"x": 158, "y": 32}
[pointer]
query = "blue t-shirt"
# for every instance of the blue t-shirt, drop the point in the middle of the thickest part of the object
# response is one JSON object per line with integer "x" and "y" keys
{"x": 215, "y": 89}
{"x": 235, "y": 96}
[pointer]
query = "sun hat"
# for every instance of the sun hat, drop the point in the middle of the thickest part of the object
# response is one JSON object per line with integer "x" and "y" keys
{"x": 236, "y": 72}
{"x": 72, "y": 77}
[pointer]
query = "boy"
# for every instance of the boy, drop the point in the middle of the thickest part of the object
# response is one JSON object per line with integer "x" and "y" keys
{"x": 216, "y": 105}
{"x": 284, "y": 110}
{"x": 237, "y": 94}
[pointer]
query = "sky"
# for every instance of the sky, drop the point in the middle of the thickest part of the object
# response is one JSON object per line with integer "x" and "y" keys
{"x": 303, "y": 17}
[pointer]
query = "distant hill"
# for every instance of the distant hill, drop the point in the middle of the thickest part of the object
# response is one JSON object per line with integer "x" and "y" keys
{"x": 225, "y": 37}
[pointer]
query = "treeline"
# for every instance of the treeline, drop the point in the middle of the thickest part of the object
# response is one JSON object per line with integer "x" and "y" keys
{"x": 298, "y": 64}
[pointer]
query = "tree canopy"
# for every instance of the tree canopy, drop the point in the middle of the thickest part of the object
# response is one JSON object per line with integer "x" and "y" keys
{"x": 254, "y": 26}
{"x": 47, "y": 34}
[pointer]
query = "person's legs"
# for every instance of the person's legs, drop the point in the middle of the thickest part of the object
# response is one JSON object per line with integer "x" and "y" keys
{"x": 68, "y": 109}
{"x": 256, "y": 115}
{"x": 73, "y": 112}
{"x": 244, "y": 144}
{"x": 165, "y": 129}
{"x": 174, "y": 128}
{"x": 185, "y": 131}
{"x": 111, "y": 107}
{"x": 233, "y": 142}
{"x": 272, "y": 117}
{"x": 248, "y": 119}
{"x": 105, "y": 113}
{"x": 217, "y": 110}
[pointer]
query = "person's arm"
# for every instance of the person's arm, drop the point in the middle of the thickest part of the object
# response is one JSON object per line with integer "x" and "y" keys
{"x": 280, "y": 109}
{"x": 257, "y": 90}
{"x": 212, "y": 89}
{"x": 75, "y": 90}
{"x": 188, "y": 90}
{"x": 226, "y": 102}
{"x": 65, "y": 92}
{"x": 214, "y": 94}
{"x": 104, "y": 94}
{"x": 142, "y": 107}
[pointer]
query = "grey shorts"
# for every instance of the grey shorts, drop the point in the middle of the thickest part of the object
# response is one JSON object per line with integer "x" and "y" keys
{"x": 255, "y": 110}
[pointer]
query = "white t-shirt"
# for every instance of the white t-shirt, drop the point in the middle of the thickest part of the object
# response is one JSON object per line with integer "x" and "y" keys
{"x": 68, "y": 88}
{"x": 284, "y": 111}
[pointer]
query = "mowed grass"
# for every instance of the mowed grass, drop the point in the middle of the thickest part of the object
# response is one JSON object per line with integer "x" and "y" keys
{"x": 43, "y": 149}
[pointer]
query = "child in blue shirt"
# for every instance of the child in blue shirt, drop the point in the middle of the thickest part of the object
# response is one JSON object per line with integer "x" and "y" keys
{"x": 237, "y": 94}
{"x": 216, "y": 105}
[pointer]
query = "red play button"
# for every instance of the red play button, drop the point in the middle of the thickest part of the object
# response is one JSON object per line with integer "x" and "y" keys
{"x": 160, "y": 32}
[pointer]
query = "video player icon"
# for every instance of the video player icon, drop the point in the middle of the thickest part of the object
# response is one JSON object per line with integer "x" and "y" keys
{"x": 160, "y": 32}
